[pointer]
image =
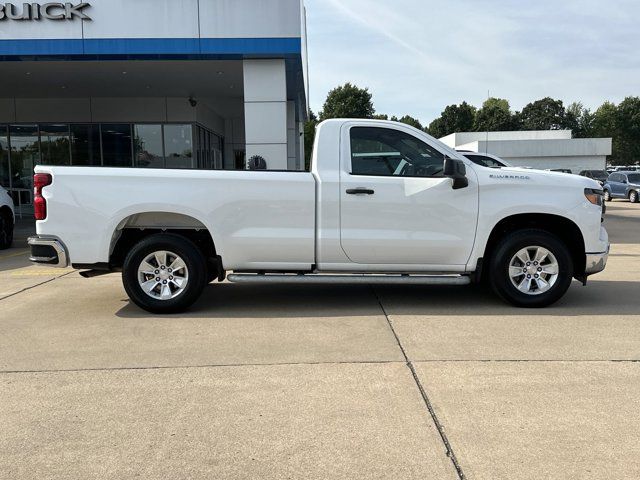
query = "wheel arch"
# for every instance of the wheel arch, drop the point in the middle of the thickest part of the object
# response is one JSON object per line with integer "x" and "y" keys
{"x": 564, "y": 228}
{"x": 136, "y": 227}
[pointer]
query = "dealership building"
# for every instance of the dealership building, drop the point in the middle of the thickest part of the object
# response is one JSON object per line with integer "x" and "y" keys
{"x": 150, "y": 83}
{"x": 541, "y": 149}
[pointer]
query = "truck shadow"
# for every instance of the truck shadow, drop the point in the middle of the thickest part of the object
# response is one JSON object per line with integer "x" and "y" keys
{"x": 273, "y": 301}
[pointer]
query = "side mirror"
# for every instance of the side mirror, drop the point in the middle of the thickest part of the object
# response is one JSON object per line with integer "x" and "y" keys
{"x": 457, "y": 171}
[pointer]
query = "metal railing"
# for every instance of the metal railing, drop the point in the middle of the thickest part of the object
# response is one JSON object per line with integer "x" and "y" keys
{"x": 22, "y": 201}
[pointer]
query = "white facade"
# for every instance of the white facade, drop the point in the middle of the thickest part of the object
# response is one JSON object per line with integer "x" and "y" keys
{"x": 544, "y": 149}
{"x": 234, "y": 67}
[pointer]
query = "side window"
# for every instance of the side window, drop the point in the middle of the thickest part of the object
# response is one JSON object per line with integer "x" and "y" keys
{"x": 391, "y": 153}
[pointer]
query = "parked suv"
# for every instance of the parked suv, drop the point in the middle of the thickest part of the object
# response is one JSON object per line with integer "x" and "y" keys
{"x": 6, "y": 219}
{"x": 623, "y": 185}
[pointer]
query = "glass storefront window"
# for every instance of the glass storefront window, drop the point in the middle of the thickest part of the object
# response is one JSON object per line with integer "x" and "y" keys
{"x": 85, "y": 145}
{"x": 148, "y": 147}
{"x": 5, "y": 173}
{"x": 208, "y": 150}
{"x": 55, "y": 144}
{"x": 117, "y": 146}
{"x": 25, "y": 154}
{"x": 178, "y": 146}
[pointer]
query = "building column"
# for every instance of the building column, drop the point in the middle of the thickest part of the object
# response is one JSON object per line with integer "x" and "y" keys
{"x": 265, "y": 110}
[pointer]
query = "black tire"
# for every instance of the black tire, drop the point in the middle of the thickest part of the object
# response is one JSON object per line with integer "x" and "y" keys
{"x": 633, "y": 196}
{"x": 507, "y": 249}
{"x": 6, "y": 229}
{"x": 607, "y": 195}
{"x": 195, "y": 265}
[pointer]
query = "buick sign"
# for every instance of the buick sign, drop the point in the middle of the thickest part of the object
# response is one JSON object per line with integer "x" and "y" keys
{"x": 44, "y": 11}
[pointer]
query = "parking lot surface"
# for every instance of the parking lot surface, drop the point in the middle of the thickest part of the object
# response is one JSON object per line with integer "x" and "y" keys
{"x": 321, "y": 382}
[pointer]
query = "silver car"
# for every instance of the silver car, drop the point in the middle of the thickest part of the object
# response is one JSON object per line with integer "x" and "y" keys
{"x": 7, "y": 220}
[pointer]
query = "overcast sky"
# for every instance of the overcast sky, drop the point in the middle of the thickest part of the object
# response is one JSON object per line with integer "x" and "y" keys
{"x": 417, "y": 56}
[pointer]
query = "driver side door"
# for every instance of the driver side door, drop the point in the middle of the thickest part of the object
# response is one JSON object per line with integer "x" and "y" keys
{"x": 396, "y": 206}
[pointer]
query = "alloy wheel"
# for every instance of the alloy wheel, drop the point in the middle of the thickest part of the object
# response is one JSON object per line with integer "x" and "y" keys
{"x": 163, "y": 275}
{"x": 534, "y": 270}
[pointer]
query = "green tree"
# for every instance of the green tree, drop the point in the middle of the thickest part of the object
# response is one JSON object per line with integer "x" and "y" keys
{"x": 627, "y": 133}
{"x": 604, "y": 120}
{"x": 605, "y": 124}
{"x": 309, "y": 138}
{"x": 494, "y": 116}
{"x": 579, "y": 120}
{"x": 545, "y": 114}
{"x": 454, "y": 118}
{"x": 348, "y": 101}
{"x": 409, "y": 120}
{"x": 436, "y": 128}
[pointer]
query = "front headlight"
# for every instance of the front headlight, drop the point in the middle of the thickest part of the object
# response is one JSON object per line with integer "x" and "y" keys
{"x": 594, "y": 196}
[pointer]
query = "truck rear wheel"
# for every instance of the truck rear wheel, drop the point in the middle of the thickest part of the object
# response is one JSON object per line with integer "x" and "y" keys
{"x": 164, "y": 274}
{"x": 531, "y": 269}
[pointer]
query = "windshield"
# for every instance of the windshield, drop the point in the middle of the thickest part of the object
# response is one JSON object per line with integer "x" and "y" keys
{"x": 634, "y": 178}
{"x": 486, "y": 161}
{"x": 599, "y": 175}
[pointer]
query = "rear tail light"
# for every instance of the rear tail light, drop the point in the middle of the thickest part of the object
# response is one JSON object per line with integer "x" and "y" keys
{"x": 40, "y": 180}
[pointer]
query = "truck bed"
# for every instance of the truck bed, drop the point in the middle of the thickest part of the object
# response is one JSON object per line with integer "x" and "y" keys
{"x": 260, "y": 220}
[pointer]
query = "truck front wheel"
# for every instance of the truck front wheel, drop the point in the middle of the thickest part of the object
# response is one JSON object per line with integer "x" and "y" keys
{"x": 531, "y": 269}
{"x": 164, "y": 274}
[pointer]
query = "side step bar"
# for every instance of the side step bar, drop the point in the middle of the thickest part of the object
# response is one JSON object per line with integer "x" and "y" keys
{"x": 284, "y": 279}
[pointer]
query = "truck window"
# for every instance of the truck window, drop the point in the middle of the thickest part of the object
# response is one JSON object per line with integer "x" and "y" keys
{"x": 391, "y": 153}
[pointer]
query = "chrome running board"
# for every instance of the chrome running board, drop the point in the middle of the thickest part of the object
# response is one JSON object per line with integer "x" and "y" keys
{"x": 291, "y": 279}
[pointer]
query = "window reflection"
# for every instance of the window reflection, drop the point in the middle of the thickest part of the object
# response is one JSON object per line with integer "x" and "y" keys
{"x": 117, "y": 146}
{"x": 85, "y": 145}
{"x": 148, "y": 146}
{"x": 4, "y": 157}
{"x": 25, "y": 154}
{"x": 178, "y": 146}
{"x": 55, "y": 145}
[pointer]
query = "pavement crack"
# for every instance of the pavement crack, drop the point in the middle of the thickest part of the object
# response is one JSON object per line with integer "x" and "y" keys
{"x": 445, "y": 440}
{"x": 34, "y": 286}
{"x": 189, "y": 367}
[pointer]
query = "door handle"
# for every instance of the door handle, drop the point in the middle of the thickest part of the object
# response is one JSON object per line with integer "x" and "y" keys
{"x": 360, "y": 191}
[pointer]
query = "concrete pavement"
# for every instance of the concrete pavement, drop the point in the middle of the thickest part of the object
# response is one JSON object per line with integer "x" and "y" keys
{"x": 321, "y": 382}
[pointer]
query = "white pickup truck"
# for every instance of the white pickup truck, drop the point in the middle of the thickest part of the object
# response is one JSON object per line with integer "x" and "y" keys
{"x": 384, "y": 203}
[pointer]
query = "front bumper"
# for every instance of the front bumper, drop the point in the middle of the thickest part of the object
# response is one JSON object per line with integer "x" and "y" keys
{"x": 596, "y": 262}
{"x": 48, "y": 251}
